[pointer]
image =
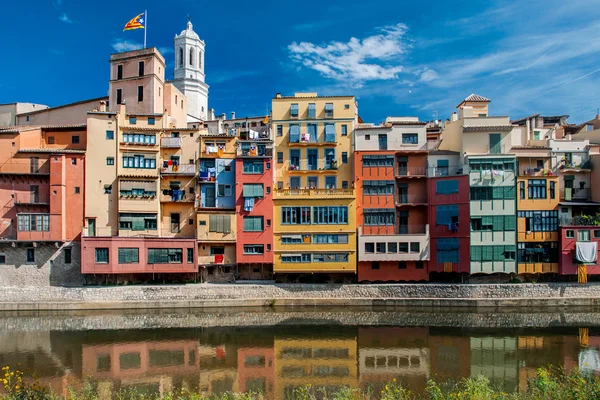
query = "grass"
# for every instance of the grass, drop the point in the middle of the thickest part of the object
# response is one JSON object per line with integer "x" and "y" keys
{"x": 550, "y": 383}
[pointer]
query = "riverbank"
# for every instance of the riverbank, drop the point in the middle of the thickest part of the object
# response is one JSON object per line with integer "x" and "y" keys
{"x": 499, "y": 296}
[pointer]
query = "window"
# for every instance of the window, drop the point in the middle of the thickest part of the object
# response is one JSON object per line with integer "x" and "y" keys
{"x": 165, "y": 256}
{"x": 401, "y": 264}
{"x": 151, "y": 120}
{"x": 119, "y": 96}
{"x": 537, "y": 188}
{"x": 378, "y": 188}
{"x": 110, "y": 161}
{"x": 410, "y": 138}
{"x": 192, "y": 57}
{"x": 448, "y": 250}
{"x": 312, "y": 110}
{"x": 279, "y": 157}
{"x": 2, "y": 258}
{"x": 522, "y": 189}
{"x": 447, "y": 214}
{"x": 219, "y": 223}
{"x": 295, "y": 239}
{"x": 344, "y": 130}
{"x": 403, "y": 247}
{"x": 140, "y": 92}
{"x": 50, "y": 139}
{"x": 30, "y": 255}
{"x": 369, "y": 247}
{"x": 295, "y": 258}
{"x": 419, "y": 265}
{"x": 570, "y": 234}
{"x": 140, "y": 68}
{"x": 190, "y": 256}
{"x": 102, "y": 255}
{"x": 375, "y": 265}
{"x": 33, "y": 222}
{"x": 217, "y": 250}
{"x": 344, "y": 157}
{"x": 294, "y": 110}
{"x": 119, "y": 72}
{"x": 295, "y": 215}
{"x": 344, "y": 184}
{"x": 330, "y": 257}
{"x": 442, "y": 168}
{"x": 552, "y": 190}
{"x": 415, "y": 247}
{"x": 493, "y": 193}
{"x": 75, "y": 139}
{"x": 446, "y": 186}
{"x": 583, "y": 235}
{"x": 279, "y": 130}
{"x": 330, "y": 215}
{"x": 378, "y": 161}
{"x": 253, "y": 224}
{"x": 253, "y": 190}
{"x": 107, "y": 189}
{"x": 329, "y": 110}
{"x": 138, "y": 161}
{"x": 132, "y": 120}
{"x": 367, "y": 137}
{"x": 129, "y": 255}
{"x": 254, "y": 249}
{"x": 139, "y": 138}
{"x": 540, "y": 221}
{"x": 253, "y": 167}
{"x": 68, "y": 252}
{"x": 330, "y": 133}
{"x": 73, "y": 161}
{"x": 589, "y": 127}
{"x": 392, "y": 247}
{"x": 330, "y": 238}
{"x": 330, "y": 182}
{"x": 379, "y": 216}
{"x": 493, "y": 253}
{"x": 530, "y": 252}
{"x": 77, "y": 190}
{"x": 137, "y": 222}
{"x": 380, "y": 247}
{"x": 224, "y": 190}
{"x": 110, "y": 135}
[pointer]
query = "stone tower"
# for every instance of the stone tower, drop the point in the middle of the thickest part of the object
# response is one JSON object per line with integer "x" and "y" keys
{"x": 189, "y": 72}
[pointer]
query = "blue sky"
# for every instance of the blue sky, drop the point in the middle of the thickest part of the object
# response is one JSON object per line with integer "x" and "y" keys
{"x": 397, "y": 57}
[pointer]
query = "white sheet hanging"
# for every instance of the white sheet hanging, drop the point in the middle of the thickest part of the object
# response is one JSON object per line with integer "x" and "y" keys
{"x": 587, "y": 252}
{"x": 589, "y": 360}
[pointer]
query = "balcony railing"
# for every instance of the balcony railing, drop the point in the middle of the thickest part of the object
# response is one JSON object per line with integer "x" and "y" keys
{"x": 371, "y": 230}
{"x": 574, "y": 194}
{"x": 106, "y": 231}
{"x": 25, "y": 167}
{"x": 313, "y": 193}
{"x": 313, "y": 165}
{"x": 181, "y": 169}
{"x": 31, "y": 199}
{"x": 259, "y": 151}
{"x": 402, "y": 171}
{"x": 170, "y": 143}
{"x": 445, "y": 171}
{"x": 582, "y": 220}
{"x": 536, "y": 172}
{"x": 178, "y": 196}
{"x": 410, "y": 199}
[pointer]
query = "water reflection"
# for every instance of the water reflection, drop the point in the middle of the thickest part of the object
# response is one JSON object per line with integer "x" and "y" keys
{"x": 276, "y": 360}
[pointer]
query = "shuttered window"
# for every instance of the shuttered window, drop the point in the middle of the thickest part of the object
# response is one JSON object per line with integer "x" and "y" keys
{"x": 219, "y": 223}
{"x": 165, "y": 256}
{"x": 330, "y": 133}
{"x": 253, "y": 190}
{"x": 128, "y": 255}
{"x": 253, "y": 224}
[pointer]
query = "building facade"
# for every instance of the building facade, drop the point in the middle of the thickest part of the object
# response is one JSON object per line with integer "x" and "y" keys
{"x": 314, "y": 201}
{"x": 391, "y": 184}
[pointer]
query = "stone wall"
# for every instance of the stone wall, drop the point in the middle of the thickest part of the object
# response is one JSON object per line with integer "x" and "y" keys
{"x": 48, "y": 268}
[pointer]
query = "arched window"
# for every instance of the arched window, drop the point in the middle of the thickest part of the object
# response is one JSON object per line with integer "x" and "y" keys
{"x": 199, "y": 60}
{"x": 181, "y": 56}
{"x": 191, "y": 57}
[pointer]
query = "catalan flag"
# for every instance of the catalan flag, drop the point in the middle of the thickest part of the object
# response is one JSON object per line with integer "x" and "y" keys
{"x": 138, "y": 22}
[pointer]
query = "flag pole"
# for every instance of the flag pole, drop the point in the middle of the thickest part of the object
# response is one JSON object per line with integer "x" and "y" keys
{"x": 145, "y": 26}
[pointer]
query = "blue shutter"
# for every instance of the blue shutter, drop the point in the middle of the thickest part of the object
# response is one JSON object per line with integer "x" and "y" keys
{"x": 294, "y": 133}
{"x": 330, "y": 133}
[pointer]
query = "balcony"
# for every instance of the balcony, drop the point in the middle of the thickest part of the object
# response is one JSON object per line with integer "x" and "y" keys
{"x": 313, "y": 193}
{"x": 389, "y": 243}
{"x": 177, "y": 196}
{"x": 181, "y": 169}
{"x": 308, "y": 141}
{"x": 536, "y": 172}
{"x": 31, "y": 166}
{"x": 170, "y": 143}
{"x": 581, "y": 220}
{"x": 433, "y": 172}
{"x": 575, "y": 194}
{"x": 569, "y": 167}
{"x": 378, "y": 230}
{"x": 206, "y": 176}
{"x": 31, "y": 199}
{"x": 138, "y": 172}
{"x": 303, "y": 166}
{"x": 170, "y": 233}
{"x": 136, "y": 203}
{"x": 411, "y": 200}
{"x": 218, "y": 259}
{"x": 255, "y": 151}
{"x": 410, "y": 172}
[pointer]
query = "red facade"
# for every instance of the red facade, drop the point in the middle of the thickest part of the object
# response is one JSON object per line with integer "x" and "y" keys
{"x": 263, "y": 207}
{"x": 461, "y": 230}
{"x": 567, "y": 244}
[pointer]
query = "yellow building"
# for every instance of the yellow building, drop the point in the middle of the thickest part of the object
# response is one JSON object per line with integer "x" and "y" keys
{"x": 314, "y": 199}
{"x": 538, "y": 196}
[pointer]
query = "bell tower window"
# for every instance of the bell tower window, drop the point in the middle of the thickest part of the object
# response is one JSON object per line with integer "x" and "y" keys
{"x": 191, "y": 57}
{"x": 181, "y": 57}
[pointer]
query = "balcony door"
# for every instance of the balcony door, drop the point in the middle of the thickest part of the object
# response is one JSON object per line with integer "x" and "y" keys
{"x": 210, "y": 196}
{"x": 402, "y": 193}
{"x": 34, "y": 165}
{"x": 495, "y": 143}
{"x": 175, "y": 221}
{"x": 403, "y": 222}
{"x": 382, "y": 142}
{"x": 92, "y": 227}
{"x": 312, "y": 155}
{"x": 34, "y": 195}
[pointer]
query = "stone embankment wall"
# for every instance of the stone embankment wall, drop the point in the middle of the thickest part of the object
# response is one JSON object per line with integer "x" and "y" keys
{"x": 210, "y": 295}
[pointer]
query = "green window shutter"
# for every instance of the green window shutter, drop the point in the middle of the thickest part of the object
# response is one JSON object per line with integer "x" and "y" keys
{"x": 212, "y": 223}
{"x": 150, "y": 256}
{"x": 495, "y": 143}
{"x": 138, "y": 223}
{"x": 226, "y": 223}
{"x": 498, "y": 193}
{"x": 498, "y": 253}
{"x": 487, "y": 253}
{"x": 475, "y": 253}
{"x": 487, "y": 220}
{"x": 509, "y": 193}
{"x": 509, "y": 223}
{"x": 498, "y": 222}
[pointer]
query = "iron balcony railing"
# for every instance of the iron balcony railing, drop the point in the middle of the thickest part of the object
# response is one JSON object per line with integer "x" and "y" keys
{"x": 582, "y": 220}
{"x": 411, "y": 199}
{"x": 575, "y": 193}
{"x": 312, "y": 193}
{"x": 178, "y": 231}
{"x": 402, "y": 171}
{"x": 313, "y": 165}
{"x": 31, "y": 198}
{"x": 180, "y": 169}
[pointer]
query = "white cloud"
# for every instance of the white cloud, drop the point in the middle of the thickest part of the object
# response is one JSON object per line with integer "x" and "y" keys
{"x": 375, "y": 57}
{"x": 121, "y": 45}
{"x": 65, "y": 18}
{"x": 428, "y": 75}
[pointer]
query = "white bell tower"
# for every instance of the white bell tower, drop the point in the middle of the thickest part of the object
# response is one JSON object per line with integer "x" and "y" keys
{"x": 189, "y": 72}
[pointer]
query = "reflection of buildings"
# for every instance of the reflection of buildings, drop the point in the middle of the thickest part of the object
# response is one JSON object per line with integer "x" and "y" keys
{"x": 328, "y": 364}
{"x": 218, "y": 369}
{"x": 496, "y": 359}
{"x": 256, "y": 370}
{"x": 449, "y": 354}
{"x": 388, "y": 353}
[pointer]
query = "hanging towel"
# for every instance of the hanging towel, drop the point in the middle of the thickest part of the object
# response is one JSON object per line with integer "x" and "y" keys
{"x": 587, "y": 252}
{"x": 219, "y": 258}
{"x": 248, "y": 203}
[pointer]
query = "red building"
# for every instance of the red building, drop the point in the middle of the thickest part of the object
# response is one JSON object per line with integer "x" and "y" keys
{"x": 574, "y": 231}
{"x": 449, "y": 216}
{"x": 256, "y": 370}
{"x": 254, "y": 203}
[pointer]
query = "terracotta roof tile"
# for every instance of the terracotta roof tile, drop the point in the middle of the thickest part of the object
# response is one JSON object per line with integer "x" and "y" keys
{"x": 488, "y": 128}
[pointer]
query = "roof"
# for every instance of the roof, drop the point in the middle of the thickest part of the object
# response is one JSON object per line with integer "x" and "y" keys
{"x": 312, "y": 97}
{"x": 488, "y": 128}
{"x": 102, "y": 112}
{"x": 475, "y": 98}
{"x": 189, "y": 32}
{"x": 444, "y": 153}
{"x": 17, "y": 129}
{"x": 144, "y": 115}
{"x": 47, "y": 150}
{"x": 157, "y": 129}
{"x": 548, "y": 119}
{"x": 369, "y": 126}
{"x": 578, "y": 203}
{"x": 525, "y": 147}
{"x": 407, "y": 123}
{"x": 65, "y": 105}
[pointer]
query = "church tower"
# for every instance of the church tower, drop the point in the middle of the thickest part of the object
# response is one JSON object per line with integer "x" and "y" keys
{"x": 189, "y": 72}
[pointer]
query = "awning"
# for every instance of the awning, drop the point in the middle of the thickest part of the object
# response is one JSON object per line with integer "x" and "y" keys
{"x": 587, "y": 252}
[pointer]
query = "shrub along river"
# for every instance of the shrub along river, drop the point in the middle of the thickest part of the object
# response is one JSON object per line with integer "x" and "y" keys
{"x": 278, "y": 350}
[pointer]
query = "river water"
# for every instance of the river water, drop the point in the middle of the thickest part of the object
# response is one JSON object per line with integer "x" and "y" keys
{"x": 275, "y": 351}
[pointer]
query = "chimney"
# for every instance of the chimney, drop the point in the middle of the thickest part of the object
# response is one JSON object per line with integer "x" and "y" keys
{"x": 223, "y": 116}
{"x": 454, "y": 117}
{"x": 278, "y": 96}
{"x": 211, "y": 114}
{"x": 233, "y": 115}
{"x": 103, "y": 106}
